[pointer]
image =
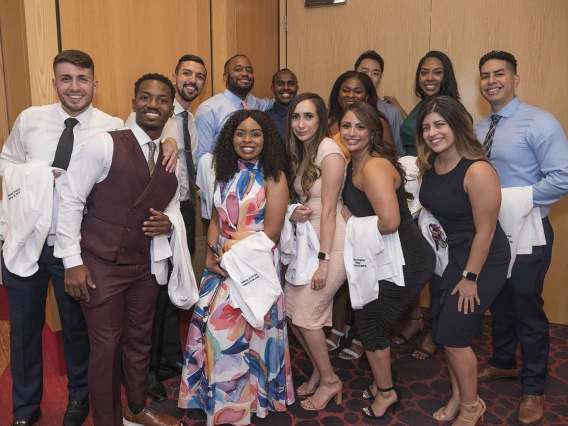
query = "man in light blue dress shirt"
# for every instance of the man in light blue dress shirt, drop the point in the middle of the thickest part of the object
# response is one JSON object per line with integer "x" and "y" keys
{"x": 214, "y": 112}
{"x": 528, "y": 148}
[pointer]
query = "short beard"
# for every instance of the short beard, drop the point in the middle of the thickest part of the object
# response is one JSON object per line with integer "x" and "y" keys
{"x": 238, "y": 90}
{"x": 186, "y": 98}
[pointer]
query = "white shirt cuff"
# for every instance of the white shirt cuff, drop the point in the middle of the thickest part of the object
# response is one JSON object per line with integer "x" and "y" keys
{"x": 72, "y": 261}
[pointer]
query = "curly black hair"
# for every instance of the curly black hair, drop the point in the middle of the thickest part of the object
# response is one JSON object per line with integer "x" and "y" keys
{"x": 273, "y": 158}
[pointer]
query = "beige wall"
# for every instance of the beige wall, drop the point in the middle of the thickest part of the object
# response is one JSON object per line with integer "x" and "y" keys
{"x": 321, "y": 43}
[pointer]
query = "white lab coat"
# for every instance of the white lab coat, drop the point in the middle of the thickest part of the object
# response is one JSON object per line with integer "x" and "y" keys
{"x": 425, "y": 219}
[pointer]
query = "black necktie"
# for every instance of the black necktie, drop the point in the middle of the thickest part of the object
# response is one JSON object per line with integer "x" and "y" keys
{"x": 65, "y": 145}
{"x": 488, "y": 143}
{"x": 188, "y": 157}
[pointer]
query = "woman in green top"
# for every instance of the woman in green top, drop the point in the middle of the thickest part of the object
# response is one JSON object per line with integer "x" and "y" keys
{"x": 434, "y": 77}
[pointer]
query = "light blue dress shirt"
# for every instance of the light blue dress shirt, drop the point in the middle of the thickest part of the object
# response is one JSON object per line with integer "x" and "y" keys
{"x": 214, "y": 112}
{"x": 529, "y": 148}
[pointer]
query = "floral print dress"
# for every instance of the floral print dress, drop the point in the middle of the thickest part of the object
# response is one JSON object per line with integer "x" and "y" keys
{"x": 231, "y": 369}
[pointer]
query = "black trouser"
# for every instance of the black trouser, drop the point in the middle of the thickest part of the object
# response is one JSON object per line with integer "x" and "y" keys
{"x": 166, "y": 341}
{"x": 26, "y": 301}
{"x": 518, "y": 317}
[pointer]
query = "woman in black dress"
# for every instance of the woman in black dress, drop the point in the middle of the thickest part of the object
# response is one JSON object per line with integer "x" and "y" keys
{"x": 375, "y": 186}
{"x": 462, "y": 191}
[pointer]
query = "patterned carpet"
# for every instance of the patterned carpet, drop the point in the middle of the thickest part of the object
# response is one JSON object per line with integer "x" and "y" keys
{"x": 425, "y": 387}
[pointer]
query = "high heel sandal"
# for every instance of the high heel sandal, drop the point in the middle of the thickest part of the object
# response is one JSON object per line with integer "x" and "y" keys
{"x": 307, "y": 392}
{"x": 369, "y": 389}
{"x": 332, "y": 345}
{"x": 405, "y": 339}
{"x": 462, "y": 419}
{"x": 371, "y": 414}
{"x": 309, "y": 404}
{"x": 441, "y": 417}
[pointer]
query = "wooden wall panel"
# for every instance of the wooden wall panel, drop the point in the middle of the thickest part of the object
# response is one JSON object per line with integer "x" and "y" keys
{"x": 257, "y": 36}
{"x": 223, "y": 38}
{"x": 129, "y": 38}
{"x": 324, "y": 42}
{"x": 4, "y": 126}
{"x": 14, "y": 55}
{"x": 41, "y": 35}
{"x": 536, "y": 33}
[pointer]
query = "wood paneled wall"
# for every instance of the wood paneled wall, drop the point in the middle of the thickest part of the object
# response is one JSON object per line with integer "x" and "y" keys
{"x": 129, "y": 38}
{"x": 250, "y": 27}
{"x": 323, "y": 42}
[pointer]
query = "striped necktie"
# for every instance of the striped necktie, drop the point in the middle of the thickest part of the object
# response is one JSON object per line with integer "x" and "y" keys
{"x": 244, "y": 104}
{"x": 151, "y": 162}
{"x": 488, "y": 143}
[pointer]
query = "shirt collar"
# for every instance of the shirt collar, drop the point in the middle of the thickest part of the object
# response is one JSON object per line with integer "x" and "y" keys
{"x": 234, "y": 99}
{"x": 178, "y": 109}
{"x": 281, "y": 111}
{"x": 81, "y": 118}
{"x": 510, "y": 108}
{"x": 141, "y": 136}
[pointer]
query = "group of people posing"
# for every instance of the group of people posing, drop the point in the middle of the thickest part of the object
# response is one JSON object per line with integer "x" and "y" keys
{"x": 377, "y": 203}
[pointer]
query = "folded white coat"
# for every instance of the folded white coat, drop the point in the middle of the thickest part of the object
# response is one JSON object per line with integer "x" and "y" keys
{"x": 253, "y": 282}
{"x": 521, "y": 221}
{"x": 205, "y": 181}
{"x": 370, "y": 257}
{"x": 428, "y": 224}
{"x": 182, "y": 287}
{"x": 299, "y": 251}
{"x": 412, "y": 184}
{"x": 27, "y": 214}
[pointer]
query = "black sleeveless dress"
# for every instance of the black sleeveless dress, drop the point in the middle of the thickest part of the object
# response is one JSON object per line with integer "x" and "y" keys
{"x": 445, "y": 197}
{"x": 375, "y": 320}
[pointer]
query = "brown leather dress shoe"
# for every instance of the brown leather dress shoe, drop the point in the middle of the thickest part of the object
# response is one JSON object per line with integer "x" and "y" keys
{"x": 149, "y": 417}
{"x": 487, "y": 373}
{"x": 531, "y": 410}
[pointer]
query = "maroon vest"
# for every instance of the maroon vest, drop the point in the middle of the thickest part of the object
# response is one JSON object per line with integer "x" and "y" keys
{"x": 118, "y": 206}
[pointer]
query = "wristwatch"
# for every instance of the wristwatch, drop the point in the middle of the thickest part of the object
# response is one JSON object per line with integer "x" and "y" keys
{"x": 323, "y": 256}
{"x": 470, "y": 276}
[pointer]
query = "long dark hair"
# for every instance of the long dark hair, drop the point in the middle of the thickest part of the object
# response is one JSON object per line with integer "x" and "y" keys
{"x": 454, "y": 113}
{"x": 272, "y": 159}
{"x": 449, "y": 86}
{"x": 296, "y": 147}
{"x": 335, "y": 107}
{"x": 378, "y": 146}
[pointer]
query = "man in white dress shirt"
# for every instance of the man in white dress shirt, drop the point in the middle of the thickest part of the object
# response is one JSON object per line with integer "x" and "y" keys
{"x": 121, "y": 178}
{"x": 43, "y": 133}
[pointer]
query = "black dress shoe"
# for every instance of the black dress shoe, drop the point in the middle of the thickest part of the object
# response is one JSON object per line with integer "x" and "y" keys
{"x": 166, "y": 364}
{"x": 76, "y": 412}
{"x": 156, "y": 389}
{"x": 35, "y": 417}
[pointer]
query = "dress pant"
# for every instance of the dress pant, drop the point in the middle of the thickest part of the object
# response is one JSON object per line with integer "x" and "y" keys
{"x": 26, "y": 299}
{"x": 119, "y": 317}
{"x": 518, "y": 317}
{"x": 166, "y": 341}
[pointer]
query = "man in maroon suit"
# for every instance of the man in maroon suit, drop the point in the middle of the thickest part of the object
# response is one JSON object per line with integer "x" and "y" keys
{"x": 119, "y": 177}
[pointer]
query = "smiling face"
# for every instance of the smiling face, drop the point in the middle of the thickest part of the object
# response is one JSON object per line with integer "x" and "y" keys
{"x": 239, "y": 76}
{"x": 189, "y": 80}
{"x": 351, "y": 91}
{"x": 304, "y": 121}
{"x": 153, "y": 106}
{"x": 248, "y": 140}
{"x": 373, "y": 69}
{"x": 75, "y": 87}
{"x": 437, "y": 133}
{"x": 284, "y": 87}
{"x": 498, "y": 83}
{"x": 430, "y": 76}
{"x": 353, "y": 133}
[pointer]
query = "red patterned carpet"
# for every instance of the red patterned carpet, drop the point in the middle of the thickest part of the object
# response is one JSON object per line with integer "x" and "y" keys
{"x": 425, "y": 386}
